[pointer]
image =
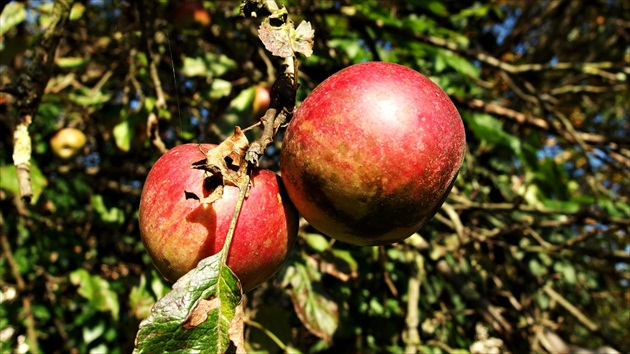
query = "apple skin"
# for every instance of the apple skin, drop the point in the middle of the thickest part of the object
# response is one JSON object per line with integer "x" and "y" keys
{"x": 190, "y": 13}
{"x": 178, "y": 232}
{"x": 372, "y": 153}
{"x": 262, "y": 99}
{"x": 67, "y": 142}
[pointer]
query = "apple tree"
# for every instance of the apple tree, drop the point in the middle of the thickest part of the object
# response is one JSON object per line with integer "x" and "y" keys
{"x": 525, "y": 250}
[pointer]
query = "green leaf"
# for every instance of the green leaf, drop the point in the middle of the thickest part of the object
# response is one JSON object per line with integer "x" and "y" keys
{"x": 97, "y": 291}
{"x": 351, "y": 47}
{"x": 194, "y": 67}
{"x": 196, "y": 315}
{"x": 211, "y": 65}
{"x": 490, "y": 129}
{"x": 140, "y": 299}
{"x": 157, "y": 285}
{"x": 77, "y": 11}
{"x": 8, "y": 180}
{"x": 318, "y": 313}
{"x": 70, "y": 62}
{"x": 14, "y": 13}
{"x": 85, "y": 97}
{"x": 112, "y": 215}
{"x": 92, "y": 333}
{"x": 317, "y": 242}
{"x": 536, "y": 267}
{"x": 220, "y": 88}
{"x": 345, "y": 257}
{"x": 123, "y": 133}
{"x": 567, "y": 270}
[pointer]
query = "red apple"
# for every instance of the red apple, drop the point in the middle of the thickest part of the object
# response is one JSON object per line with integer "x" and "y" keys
{"x": 178, "y": 232}
{"x": 190, "y": 13}
{"x": 372, "y": 153}
{"x": 262, "y": 98}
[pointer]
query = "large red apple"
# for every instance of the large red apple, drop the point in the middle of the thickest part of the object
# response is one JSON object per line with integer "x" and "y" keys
{"x": 178, "y": 232}
{"x": 372, "y": 153}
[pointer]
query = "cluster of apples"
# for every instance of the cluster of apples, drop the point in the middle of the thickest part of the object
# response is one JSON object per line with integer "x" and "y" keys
{"x": 368, "y": 159}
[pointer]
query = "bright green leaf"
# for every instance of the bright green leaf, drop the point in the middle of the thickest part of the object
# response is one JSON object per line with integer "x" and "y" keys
{"x": 70, "y": 62}
{"x": 97, "y": 291}
{"x": 123, "y": 133}
{"x": 220, "y": 88}
{"x": 111, "y": 215}
{"x": 490, "y": 129}
{"x": 317, "y": 242}
{"x": 92, "y": 333}
{"x": 140, "y": 299}
{"x": 77, "y": 11}
{"x": 8, "y": 180}
{"x": 12, "y": 15}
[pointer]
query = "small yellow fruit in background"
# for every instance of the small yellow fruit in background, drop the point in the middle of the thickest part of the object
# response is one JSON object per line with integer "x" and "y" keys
{"x": 67, "y": 142}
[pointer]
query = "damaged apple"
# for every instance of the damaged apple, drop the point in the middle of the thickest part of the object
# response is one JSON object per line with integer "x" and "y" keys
{"x": 372, "y": 153}
{"x": 185, "y": 213}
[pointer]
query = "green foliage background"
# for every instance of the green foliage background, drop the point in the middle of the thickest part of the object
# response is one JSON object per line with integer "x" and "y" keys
{"x": 532, "y": 243}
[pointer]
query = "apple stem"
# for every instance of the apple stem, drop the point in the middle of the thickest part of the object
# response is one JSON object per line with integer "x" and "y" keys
{"x": 283, "y": 90}
{"x": 280, "y": 109}
{"x": 243, "y": 188}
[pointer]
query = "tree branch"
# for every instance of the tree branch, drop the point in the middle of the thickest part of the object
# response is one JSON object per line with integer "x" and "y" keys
{"x": 31, "y": 331}
{"x": 28, "y": 91}
{"x": 540, "y": 123}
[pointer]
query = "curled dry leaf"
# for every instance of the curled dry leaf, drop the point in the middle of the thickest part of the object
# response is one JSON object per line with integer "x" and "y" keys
{"x": 302, "y": 38}
{"x": 284, "y": 40}
{"x": 222, "y": 163}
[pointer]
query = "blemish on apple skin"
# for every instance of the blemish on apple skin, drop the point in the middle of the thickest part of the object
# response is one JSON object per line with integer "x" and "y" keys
{"x": 279, "y": 198}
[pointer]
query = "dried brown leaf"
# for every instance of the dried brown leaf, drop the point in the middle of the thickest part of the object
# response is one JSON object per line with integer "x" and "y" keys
{"x": 199, "y": 314}
{"x": 224, "y": 161}
{"x": 284, "y": 40}
{"x": 237, "y": 329}
{"x": 275, "y": 39}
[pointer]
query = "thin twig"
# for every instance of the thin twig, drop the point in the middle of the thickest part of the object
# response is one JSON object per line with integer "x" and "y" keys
{"x": 152, "y": 119}
{"x": 413, "y": 340}
{"x": 31, "y": 331}
{"x": 29, "y": 89}
{"x": 521, "y": 118}
{"x": 268, "y": 333}
{"x": 243, "y": 187}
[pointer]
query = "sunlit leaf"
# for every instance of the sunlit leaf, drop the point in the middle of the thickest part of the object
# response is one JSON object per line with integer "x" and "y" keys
{"x": 317, "y": 242}
{"x": 91, "y": 333}
{"x": 196, "y": 315}
{"x": 97, "y": 291}
{"x": 12, "y": 15}
{"x": 123, "y": 133}
{"x": 302, "y": 38}
{"x": 111, "y": 215}
{"x": 8, "y": 180}
{"x": 77, "y": 11}
{"x": 284, "y": 40}
{"x": 490, "y": 129}
{"x": 70, "y": 62}
{"x": 140, "y": 299}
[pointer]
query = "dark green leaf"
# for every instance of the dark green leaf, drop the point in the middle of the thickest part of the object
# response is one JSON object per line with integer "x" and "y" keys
{"x": 312, "y": 304}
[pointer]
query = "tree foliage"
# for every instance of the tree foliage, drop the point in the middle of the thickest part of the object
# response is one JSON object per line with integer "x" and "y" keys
{"x": 530, "y": 251}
